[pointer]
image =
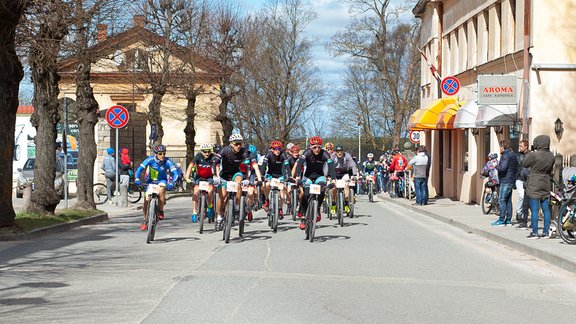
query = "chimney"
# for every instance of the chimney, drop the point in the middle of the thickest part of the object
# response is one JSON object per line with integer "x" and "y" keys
{"x": 102, "y": 32}
{"x": 139, "y": 21}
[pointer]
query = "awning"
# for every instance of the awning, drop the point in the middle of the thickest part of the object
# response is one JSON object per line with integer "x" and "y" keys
{"x": 427, "y": 117}
{"x": 466, "y": 116}
{"x": 446, "y": 117}
{"x": 496, "y": 115}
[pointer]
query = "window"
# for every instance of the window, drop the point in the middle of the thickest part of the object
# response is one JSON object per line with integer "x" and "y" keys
{"x": 465, "y": 153}
{"x": 486, "y": 144}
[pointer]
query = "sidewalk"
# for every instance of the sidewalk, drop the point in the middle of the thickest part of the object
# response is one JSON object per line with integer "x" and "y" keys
{"x": 471, "y": 219}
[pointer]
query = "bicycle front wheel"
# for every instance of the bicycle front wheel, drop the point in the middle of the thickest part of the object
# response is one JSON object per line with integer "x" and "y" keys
{"x": 100, "y": 195}
{"x": 486, "y": 202}
{"x": 134, "y": 193}
{"x": 202, "y": 212}
{"x": 312, "y": 222}
{"x": 341, "y": 208}
{"x": 275, "y": 214}
{"x": 351, "y": 203}
{"x": 241, "y": 216}
{"x": 294, "y": 204}
{"x": 567, "y": 223}
{"x": 151, "y": 220}
{"x": 229, "y": 220}
{"x": 370, "y": 192}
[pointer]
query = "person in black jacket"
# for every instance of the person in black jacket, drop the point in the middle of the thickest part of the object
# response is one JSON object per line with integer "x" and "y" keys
{"x": 521, "y": 177}
{"x": 507, "y": 172}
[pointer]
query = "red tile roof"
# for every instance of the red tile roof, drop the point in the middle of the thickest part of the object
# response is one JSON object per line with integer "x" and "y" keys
{"x": 25, "y": 110}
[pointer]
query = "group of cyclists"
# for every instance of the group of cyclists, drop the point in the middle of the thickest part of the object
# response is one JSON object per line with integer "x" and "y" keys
{"x": 241, "y": 163}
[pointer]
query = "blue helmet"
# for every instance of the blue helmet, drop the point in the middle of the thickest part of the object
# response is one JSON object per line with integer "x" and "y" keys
{"x": 110, "y": 151}
{"x": 251, "y": 148}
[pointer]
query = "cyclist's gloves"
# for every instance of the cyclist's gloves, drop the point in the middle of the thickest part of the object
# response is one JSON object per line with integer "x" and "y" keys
{"x": 137, "y": 182}
{"x": 170, "y": 186}
{"x": 245, "y": 183}
{"x": 259, "y": 183}
{"x": 217, "y": 181}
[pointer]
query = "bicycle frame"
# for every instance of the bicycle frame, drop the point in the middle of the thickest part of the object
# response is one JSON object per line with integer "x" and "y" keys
{"x": 152, "y": 196}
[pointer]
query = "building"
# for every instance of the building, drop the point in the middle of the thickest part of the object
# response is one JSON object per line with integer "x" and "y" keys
{"x": 118, "y": 78}
{"x": 527, "y": 80}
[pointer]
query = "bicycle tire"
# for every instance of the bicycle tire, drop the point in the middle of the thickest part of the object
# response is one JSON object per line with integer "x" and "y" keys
{"x": 341, "y": 208}
{"x": 276, "y": 211}
{"x": 351, "y": 203}
{"x": 229, "y": 220}
{"x": 100, "y": 195}
{"x": 566, "y": 225}
{"x": 487, "y": 206}
{"x": 241, "y": 216}
{"x": 202, "y": 212}
{"x": 390, "y": 188}
{"x": 294, "y": 204}
{"x": 134, "y": 193}
{"x": 150, "y": 220}
{"x": 370, "y": 192}
{"x": 314, "y": 205}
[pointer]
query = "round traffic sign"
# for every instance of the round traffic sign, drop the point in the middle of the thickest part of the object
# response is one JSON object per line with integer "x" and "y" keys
{"x": 414, "y": 137}
{"x": 450, "y": 86}
{"x": 117, "y": 116}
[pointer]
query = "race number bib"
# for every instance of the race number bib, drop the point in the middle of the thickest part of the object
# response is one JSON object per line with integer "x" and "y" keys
{"x": 314, "y": 189}
{"x": 204, "y": 185}
{"x": 232, "y": 186}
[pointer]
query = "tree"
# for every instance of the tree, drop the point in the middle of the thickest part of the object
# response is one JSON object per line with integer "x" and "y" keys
{"x": 389, "y": 47}
{"x": 49, "y": 22}
{"x": 11, "y": 73}
{"x": 279, "y": 81}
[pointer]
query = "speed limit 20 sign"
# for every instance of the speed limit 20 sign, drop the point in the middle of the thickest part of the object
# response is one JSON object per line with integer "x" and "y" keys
{"x": 414, "y": 137}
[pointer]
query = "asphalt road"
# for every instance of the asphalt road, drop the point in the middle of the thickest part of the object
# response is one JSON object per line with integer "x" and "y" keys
{"x": 389, "y": 265}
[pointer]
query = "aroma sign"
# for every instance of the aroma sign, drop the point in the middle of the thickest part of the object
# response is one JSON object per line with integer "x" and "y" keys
{"x": 497, "y": 89}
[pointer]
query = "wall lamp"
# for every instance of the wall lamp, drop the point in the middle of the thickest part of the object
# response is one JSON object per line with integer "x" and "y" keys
{"x": 475, "y": 131}
{"x": 499, "y": 129}
{"x": 558, "y": 128}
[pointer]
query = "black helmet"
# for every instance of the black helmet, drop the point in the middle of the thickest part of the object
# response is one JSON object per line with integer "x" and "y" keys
{"x": 339, "y": 147}
{"x": 217, "y": 148}
{"x": 159, "y": 148}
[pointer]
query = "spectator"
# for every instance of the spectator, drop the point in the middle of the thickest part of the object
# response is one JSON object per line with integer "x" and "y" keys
{"x": 507, "y": 170}
{"x": 426, "y": 194}
{"x": 419, "y": 163}
{"x": 521, "y": 177}
{"x": 541, "y": 164}
{"x": 489, "y": 170}
{"x": 109, "y": 168}
{"x": 124, "y": 167}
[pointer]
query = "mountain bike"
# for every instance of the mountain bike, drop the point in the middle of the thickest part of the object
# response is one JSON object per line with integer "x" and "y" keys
{"x": 340, "y": 186}
{"x": 370, "y": 179}
{"x": 230, "y": 205}
{"x": 293, "y": 202}
{"x": 274, "y": 198}
{"x": 152, "y": 196}
{"x": 490, "y": 200}
{"x": 312, "y": 210}
{"x": 566, "y": 224}
{"x": 202, "y": 204}
{"x": 100, "y": 195}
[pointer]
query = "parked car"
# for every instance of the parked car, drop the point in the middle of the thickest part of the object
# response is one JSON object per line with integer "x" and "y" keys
{"x": 27, "y": 176}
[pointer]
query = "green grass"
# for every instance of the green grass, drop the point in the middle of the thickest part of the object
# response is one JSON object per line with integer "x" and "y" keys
{"x": 28, "y": 221}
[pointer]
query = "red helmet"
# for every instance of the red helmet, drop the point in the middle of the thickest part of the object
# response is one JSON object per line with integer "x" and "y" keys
{"x": 316, "y": 140}
{"x": 276, "y": 144}
{"x": 295, "y": 148}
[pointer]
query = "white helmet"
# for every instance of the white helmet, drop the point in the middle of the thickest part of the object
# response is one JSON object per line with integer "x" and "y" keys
{"x": 370, "y": 155}
{"x": 235, "y": 138}
{"x": 178, "y": 165}
{"x": 289, "y": 146}
{"x": 206, "y": 147}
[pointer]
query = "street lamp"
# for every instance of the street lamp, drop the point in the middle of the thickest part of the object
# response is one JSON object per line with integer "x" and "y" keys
{"x": 558, "y": 128}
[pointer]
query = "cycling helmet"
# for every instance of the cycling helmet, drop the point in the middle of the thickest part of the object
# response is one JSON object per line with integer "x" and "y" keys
{"x": 252, "y": 148}
{"x": 206, "y": 147}
{"x": 316, "y": 140}
{"x": 235, "y": 138}
{"x": 159, "y": 148}
{"x": 276, "y": 144}
{"x": 289, "y": 146}
{"x": 493, "y": 155}
{"x": 217, "y": 147}
{"x": 178, "y": 165}
{"x": 295, "y": 148}
{"x": 370, "y": 155}
{"x": 339, "y": 147}
{"x": 329, "y": 146}
{"x": 572, "y": 178}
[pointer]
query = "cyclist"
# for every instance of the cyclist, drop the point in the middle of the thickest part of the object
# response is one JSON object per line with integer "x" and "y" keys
{"x": 201, "y": 168}
{"x": 273, "y": 166}
{"x": 368, "y": 168}
{"x": 314, "y": 158}
{"x": 289, "y": 164}
{"x": 230, "y": 165}
{"x": 158, "y": 166}
{"x": 345, "y": 167}
{"x": 329, "y": 147}
{"x": 397, "y": 167}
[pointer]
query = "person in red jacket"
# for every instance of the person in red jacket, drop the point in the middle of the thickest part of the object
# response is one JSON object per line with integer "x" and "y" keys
{"x": 397, "y": 167}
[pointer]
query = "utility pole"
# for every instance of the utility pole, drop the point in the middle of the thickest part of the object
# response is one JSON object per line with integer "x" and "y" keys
{"x": 359, "y": 141}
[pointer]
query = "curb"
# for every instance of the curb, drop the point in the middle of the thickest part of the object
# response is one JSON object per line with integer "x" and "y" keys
{"x": 541, "y": 254}
{"x": 55, "y": 228}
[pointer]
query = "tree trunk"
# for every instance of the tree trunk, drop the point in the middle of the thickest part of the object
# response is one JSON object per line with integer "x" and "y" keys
{"x": 11, "y": 73}
{"x": 189, "y": 130}
{"x": 87, "y": 119}
{"x": 154, "y": 115}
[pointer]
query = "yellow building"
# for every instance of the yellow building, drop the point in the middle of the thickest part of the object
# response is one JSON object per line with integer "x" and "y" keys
{"x": 484, "y": 45}
{"x": 118, "y": 78}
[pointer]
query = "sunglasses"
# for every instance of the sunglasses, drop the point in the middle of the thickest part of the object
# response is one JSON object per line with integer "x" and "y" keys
{"x": 206, "y": 151}
{"x": 276, "y": 149}
{"x": 315, "y": 147}
{"x": 161, "y": 153}
{"x": 237, "y": 144}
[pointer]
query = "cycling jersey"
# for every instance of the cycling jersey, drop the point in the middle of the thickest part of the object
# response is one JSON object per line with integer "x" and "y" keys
{"x": 232, "y": 162}
{"x": 369, "y": 166}
{"x": 399, "y": 163}
{"x": 157, "y": 170}
{"x": 273, "y": 164}
{"x": 344, "y": 165}
{"x": 315, "y": 164}
{"x": 203, "y": 166}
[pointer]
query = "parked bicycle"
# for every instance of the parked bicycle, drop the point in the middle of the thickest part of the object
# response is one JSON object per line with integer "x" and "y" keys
{"x": 566, "y": 224}
{"x": 101, "y": 196}
{"x": 490, "y": 200}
